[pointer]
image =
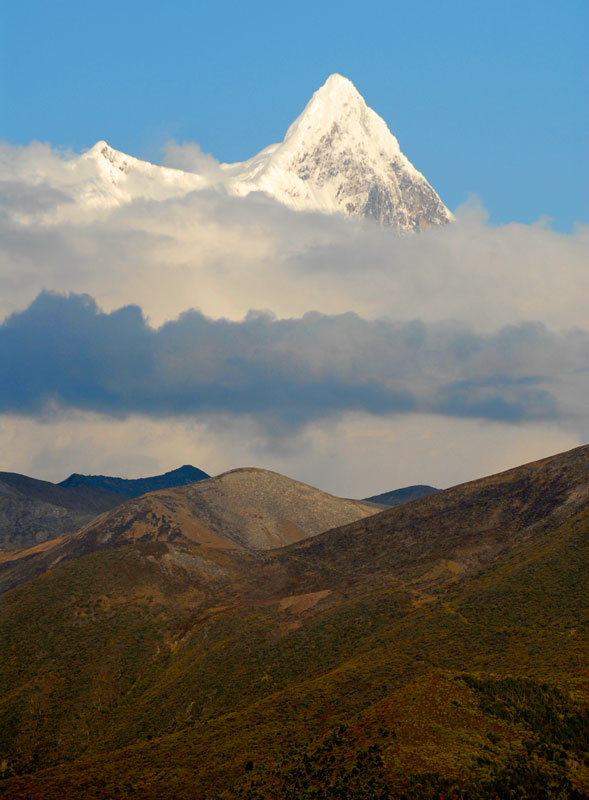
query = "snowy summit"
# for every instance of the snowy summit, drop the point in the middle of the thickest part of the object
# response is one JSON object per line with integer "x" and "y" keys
{"x": 338, "y": 157}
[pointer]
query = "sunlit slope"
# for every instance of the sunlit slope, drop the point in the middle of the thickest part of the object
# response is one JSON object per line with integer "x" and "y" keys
{"x": 438, "y": 539}
{"x": 251, "y": 683}
{"x": 244, "y": 509}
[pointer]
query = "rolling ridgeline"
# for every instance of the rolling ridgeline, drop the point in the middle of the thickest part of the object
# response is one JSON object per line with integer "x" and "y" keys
{"x": 438, "y": 649}
{"x": 32, "y": 511}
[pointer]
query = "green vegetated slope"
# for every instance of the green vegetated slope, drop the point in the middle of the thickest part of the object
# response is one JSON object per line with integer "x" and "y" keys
{"x": 368, "y": 662}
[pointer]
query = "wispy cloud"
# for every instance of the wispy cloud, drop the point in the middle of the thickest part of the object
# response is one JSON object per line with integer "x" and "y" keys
{"x": 351, "y": 454}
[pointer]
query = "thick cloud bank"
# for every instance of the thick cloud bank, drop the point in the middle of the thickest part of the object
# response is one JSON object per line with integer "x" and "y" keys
{"x": 384, "y": 360}
{"x": 63, "y": 351}
{"x": 226, "y": 255}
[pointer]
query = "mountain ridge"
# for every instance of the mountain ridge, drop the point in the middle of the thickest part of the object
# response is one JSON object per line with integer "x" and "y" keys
{"x": 431, "y": 649}
{"x": 133, "y": 487}
{"x": 33, "y": 511}
{"x": 247, "y": 508}
{"x": 337, "y": 157}
{"x": 244, "y": 510}
{"x": 406, "y": 494}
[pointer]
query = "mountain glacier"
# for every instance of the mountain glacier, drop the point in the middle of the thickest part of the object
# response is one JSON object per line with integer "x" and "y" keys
{"x": 338, "y": 156}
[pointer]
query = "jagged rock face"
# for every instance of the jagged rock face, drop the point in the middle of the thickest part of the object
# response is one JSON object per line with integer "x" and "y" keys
{"x": 339, "y": 156}
{"x": 413, "y": 207}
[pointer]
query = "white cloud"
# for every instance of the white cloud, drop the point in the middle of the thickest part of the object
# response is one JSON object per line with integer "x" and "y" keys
{"x": 189, "y": 157}
{"x": 227, "y": 255}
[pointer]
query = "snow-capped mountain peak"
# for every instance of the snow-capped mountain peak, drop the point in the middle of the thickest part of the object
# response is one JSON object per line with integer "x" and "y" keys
{"x": 108, "y": 161}
{"x": 338, "y": 102}
{"x": 339, "y": 156}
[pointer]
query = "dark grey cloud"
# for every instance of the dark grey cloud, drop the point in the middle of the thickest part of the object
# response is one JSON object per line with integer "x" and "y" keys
{"x": 63, "y": 351}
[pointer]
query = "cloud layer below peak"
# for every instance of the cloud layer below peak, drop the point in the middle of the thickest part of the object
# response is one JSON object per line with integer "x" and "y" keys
{"x": 463, "y": 336}
{"x": 226, "y": 255}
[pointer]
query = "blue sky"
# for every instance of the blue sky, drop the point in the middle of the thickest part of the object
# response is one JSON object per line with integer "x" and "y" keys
{"x": 484, "y": 98}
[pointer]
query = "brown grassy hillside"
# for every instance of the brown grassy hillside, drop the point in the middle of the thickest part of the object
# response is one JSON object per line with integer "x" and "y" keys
{"x": 430, "y": 650}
